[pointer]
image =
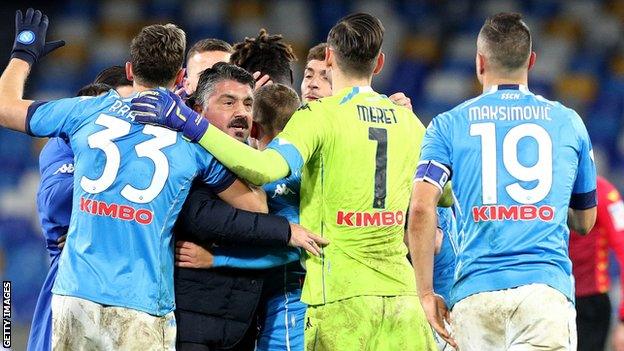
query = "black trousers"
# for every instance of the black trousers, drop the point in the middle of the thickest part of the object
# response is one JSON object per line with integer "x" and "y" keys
{"x": 593, "y": 318}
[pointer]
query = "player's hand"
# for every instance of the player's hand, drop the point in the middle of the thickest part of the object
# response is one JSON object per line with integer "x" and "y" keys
{"x": 61, "y": 241}
{"x": 305, "y": 239}
{"x": 401, "y": 100}
{"x": 191, "y": 255}
{"x": 618, "y": 337}
{"x": 30, "y": 36}
{"x": 164, "y": 108}
{"x": 436, "y": 312}
{"x": 261, "y": 80}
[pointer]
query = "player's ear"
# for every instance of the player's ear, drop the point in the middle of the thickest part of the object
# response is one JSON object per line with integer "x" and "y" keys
{"x": 380, "y": 63}
{"x": 179, "y": 77}
{"x": 480, "y": 61}
{"x": 255, "y": 130}
{"x": 129, "y": 73}
{"x": 329, "y": 57}
{"x": 532, "y": 59}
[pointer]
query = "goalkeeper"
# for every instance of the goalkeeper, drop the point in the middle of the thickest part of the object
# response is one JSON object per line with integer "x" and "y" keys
{"x": 360, "y": 153}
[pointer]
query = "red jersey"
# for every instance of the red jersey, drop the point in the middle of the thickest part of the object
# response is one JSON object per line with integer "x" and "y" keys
{"x": 590, "y": 253}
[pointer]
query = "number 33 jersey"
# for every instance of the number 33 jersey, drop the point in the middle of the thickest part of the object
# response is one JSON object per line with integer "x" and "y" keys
{"x": 130, "y": 181}
{"x": 518, "y": 161}
{"x": 359, "y": 152}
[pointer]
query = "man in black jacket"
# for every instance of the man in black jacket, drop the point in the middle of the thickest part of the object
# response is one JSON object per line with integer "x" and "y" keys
{"x": 216, "y": 308}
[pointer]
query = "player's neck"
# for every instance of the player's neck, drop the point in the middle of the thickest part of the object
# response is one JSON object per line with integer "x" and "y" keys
{"x": 139, "y": 88}
{"x": 491, "y": 80}
{"x": 341, "y": 81}
{"x": 265, "y": 141}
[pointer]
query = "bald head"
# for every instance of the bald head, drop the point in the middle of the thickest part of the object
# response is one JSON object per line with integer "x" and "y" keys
{"x": 505, "y": 42}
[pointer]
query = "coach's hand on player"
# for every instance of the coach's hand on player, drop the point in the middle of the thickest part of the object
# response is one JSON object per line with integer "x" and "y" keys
{"x": 436, "y": 312}
{"x": 401, "y": 99}
{"x": 191, "y": 255}
{"x": 61, "y": 241}
{"x": 305, "y": 239}
{"x": 30, "y": 36}
{"x": 165, "y": 108}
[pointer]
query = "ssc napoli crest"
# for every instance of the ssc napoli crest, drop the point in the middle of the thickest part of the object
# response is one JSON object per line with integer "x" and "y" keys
{"x": 26, "y": 37}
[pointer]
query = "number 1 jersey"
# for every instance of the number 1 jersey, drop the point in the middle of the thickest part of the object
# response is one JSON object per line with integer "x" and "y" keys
{"x": 130, "y": 181}
{"x": 517, "y": 161}
{"x": 359, "y": 151}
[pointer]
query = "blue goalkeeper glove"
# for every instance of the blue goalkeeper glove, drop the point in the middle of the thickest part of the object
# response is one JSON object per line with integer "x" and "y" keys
{"x": 164, "y": 108}
{"x": 30, "y": 36}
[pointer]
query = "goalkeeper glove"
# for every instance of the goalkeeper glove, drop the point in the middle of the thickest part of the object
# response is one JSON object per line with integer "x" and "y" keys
{"x": 30, "y": 36}
{"x": 164, "y": 108}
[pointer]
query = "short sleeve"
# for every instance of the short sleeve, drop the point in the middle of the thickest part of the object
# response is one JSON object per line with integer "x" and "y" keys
{"x": 216, "y": 176}
{"x": 436, "y": 143}
{"x": 302, "y": 136}
{"x": 54, "y": 118}
{"x": 584, "y": 189}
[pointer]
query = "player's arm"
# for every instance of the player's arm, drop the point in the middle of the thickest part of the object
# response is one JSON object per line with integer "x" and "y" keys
{"x": 241, "y": 195}
{"x": 582, "y": 209}
{"x": 28, "y": 47}
{"x": 292, "y": 148}
{"x": 191, "y": 255}
{"x": 209, "y": 219}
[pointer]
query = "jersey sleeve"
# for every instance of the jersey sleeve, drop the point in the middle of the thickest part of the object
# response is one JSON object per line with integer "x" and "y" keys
{"x": 436, "y": 143}
{"x": 54, "y": 118}
{"x": 584, "y": 189}
{"x": 302, "y": 136}
{"x": 216, "y": 176}
{"x": 248, "y": 258}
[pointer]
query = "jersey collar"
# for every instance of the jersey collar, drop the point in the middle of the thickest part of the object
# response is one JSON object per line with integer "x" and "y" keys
{"x": 352, "y": 91}
{"x": 521, "y": 87}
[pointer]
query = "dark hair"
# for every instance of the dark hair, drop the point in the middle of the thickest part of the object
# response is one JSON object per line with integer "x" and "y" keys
{"x": 94, "y": 89}
{"x": 317, "y": 52}
{"x": 115, "y": 76}
{"x": 507, "y": 41}
{"x": 273, "y": 106}
{"x": 157, "y": 54}
{"x": 266, "y": 53}
{"x": 209, "y": 44}
{"x": 356, "y": 40}
{"x": 221, "y": 71}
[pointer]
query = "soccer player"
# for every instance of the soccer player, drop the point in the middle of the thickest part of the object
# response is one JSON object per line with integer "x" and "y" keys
{"x": 355, "y": 188}
{"x": 590, "y": 266}
{"x": 128, "y": 186}
{"x": 521, "y": 167}
{"x": 316, "y": 81}
{"x": 115, "y": 76}
{"x": 56, "y": 166}
{"x": 267, "y": 56}
{"x": 202, "y": 55}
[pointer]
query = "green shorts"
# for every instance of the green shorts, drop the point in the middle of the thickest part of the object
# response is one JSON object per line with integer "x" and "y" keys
{"x": 375, "y": 323}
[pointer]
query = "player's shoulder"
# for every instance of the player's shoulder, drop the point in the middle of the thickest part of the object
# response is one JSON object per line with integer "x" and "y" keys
{"x": 54, "y": 151}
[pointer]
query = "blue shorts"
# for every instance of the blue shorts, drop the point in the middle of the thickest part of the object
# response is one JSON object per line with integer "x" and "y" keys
{"x": 283, "y": 314}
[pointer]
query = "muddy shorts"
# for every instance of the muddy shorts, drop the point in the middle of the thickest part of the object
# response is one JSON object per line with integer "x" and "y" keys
{"x": 369, "y": 323}
{"x": 529, "y": 317}
{"x": 79, "y": 324}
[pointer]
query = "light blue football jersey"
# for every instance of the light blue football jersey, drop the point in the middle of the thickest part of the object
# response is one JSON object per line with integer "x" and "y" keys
{"x": 130, "y": 181}
{"x": 517, "y": 161}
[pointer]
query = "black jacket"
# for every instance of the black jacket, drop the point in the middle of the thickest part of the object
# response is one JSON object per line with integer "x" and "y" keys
{"x": 215, "y": 307}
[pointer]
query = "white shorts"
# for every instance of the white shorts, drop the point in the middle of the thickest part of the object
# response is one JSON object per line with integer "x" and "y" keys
{"x": 79, "y": 324}
{"x": 529, "y": 317}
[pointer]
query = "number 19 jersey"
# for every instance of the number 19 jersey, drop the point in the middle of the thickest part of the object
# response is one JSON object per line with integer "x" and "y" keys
{"x": 517, "y": 161}
{"x": 359, "y": 151}
{"x": 130, "y": 181}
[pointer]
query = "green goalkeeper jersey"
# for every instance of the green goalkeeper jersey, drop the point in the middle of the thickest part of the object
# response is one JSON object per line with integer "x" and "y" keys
{"x": 357, "y": 153}
{"x": 360, "y": 153}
